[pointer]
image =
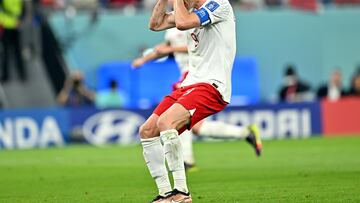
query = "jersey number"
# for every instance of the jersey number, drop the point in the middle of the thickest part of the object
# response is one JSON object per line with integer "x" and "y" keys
{"x": 196, "y": 40}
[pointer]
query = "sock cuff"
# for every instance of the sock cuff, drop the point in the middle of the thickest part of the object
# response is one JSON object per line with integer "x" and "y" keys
{"x": 169, "y": 134}
{"x": 150, "y": 141}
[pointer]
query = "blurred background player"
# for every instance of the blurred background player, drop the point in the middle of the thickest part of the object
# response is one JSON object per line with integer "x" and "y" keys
{"x": 175, "y": 44}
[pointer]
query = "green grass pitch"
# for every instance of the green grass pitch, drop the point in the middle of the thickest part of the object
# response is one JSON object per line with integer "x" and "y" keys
{"x": 311, "y": 170}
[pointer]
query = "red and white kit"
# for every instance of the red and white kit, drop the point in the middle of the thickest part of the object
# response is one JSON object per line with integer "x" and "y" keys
{"x": 201, "y": 99}
{"x": 206, "y": 89}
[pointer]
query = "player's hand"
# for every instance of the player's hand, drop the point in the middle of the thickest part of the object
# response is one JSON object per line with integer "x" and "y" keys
{"x": 137, "y": 63}
{"x": 163, "y": 49}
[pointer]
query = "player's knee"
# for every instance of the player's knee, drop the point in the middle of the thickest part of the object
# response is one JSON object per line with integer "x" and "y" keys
{"x": 164, "y": 124}
{"x": 147, "y": 131}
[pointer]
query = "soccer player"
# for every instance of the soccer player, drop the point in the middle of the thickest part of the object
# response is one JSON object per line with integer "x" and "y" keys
{"x": 176, "y": 44}
{"x": 205, "y": 91}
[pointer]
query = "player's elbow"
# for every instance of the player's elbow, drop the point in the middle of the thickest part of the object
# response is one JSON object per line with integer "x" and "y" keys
{"x": 184, "y": 24}
{"x": 181, "y": 26}
{"x": 154, "y": 28}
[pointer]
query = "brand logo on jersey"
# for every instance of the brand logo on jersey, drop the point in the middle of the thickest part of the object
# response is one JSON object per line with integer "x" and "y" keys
{"x": 113, "y": 126}
{"x": 212, "y": 6}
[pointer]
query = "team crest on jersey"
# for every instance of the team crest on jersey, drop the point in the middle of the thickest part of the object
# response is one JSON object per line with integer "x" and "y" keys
{"x": 212, "y": 6}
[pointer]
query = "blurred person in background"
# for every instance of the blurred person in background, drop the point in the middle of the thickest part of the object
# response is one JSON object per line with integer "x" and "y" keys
{"x": 333, "y": 90}
{"x": 110, "y": 98}
{"x": 355, "y": 85}
{"x": 294, "y": 90}
{"x": 10, "y": 19}
{"x": 75, "y": 93}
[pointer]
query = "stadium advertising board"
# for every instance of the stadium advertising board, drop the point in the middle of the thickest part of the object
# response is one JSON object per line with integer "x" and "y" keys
{"x": 24, "y": 129}
{"x": 47, "y": 127}
{"x": 341, "y": 117}
{"x": 110, "y": 126}
{"x": 277, "y": 120}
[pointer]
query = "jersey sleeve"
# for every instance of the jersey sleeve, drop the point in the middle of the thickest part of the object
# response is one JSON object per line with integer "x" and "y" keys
{"x": 213, "y": 12}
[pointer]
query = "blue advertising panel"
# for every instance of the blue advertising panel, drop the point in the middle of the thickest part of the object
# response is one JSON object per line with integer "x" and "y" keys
{"x": 296, "y": 120}
{"x": 33, "y": 128}
{"x": 146, "y": 86}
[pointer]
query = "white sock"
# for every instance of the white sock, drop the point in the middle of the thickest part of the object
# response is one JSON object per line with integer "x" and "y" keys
{"x": 219, "y": 129}
{"x": 174, "y": 157}
{"x": 186, "y": 142}
{"x": 155, "y": 161}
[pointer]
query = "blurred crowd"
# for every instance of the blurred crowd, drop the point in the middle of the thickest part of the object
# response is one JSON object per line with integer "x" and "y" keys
{"x": 295, "y": 89}
{"x": 15, "y": 15}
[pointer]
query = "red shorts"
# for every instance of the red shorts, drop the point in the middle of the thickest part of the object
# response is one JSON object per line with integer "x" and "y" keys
{"x": 201, "y": 100}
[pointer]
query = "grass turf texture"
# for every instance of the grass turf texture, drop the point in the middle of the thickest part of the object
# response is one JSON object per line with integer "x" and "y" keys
{"x": 312, "y": 170}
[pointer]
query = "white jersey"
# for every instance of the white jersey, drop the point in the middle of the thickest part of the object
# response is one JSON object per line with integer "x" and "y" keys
{"x": 178, "y": 38}
{"x": 212, "y": 47}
